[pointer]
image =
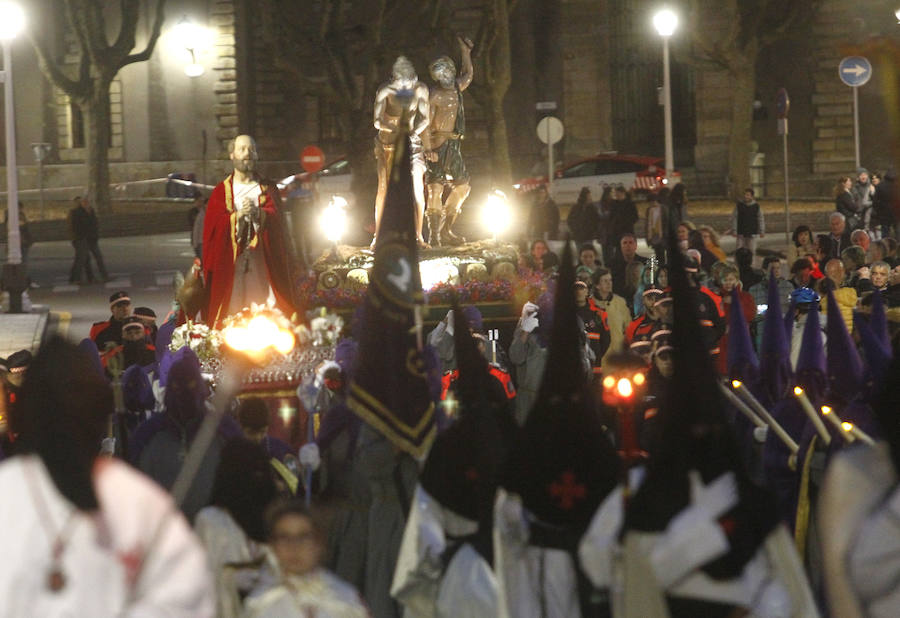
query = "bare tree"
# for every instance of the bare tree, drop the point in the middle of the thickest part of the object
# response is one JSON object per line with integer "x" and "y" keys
{"x": 731, "y": 38}
{"x": 493, "y": 75}
{"x": 98, "y": 64}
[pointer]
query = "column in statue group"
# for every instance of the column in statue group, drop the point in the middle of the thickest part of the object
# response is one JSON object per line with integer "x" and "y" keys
{"x": 446, "y": 168}
{"x": 401, "y": 101}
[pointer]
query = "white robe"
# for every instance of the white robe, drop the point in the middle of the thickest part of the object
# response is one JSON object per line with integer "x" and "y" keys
{"x": 103, "y": 550}
{"x": 533, "y": 582}
{"x": 317, "y": 595}
{"x": 227, "y": 545}
{"x": 859, "y": 506}
{"x": 466, "y": 589}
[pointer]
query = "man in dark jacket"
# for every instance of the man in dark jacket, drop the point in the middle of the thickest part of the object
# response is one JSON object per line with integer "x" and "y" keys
{"x": 85, "y": 235}
{"x": 111, "y": 329}
{"x": 543, "y": 220}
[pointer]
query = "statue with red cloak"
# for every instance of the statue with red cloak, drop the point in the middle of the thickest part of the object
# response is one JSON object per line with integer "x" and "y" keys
{"x": 246, "y": 252}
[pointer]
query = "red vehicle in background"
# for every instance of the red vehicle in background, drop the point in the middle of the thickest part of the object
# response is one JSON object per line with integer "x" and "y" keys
{"x": 640, "y": 175}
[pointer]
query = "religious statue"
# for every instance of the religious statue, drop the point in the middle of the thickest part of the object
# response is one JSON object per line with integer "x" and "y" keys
{"x": 404, "y": 99}
{"x": 446, "y": 168}
{"x": 246, "y": 253}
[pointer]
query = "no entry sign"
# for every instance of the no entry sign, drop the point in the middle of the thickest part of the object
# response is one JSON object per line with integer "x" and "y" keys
{"x": 312, "y": 159}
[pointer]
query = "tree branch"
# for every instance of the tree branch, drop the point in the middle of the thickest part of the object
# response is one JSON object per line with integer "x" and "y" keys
{"x": 154, "y": 36}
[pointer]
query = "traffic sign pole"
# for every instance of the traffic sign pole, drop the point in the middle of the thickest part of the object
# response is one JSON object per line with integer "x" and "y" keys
{"x": 855, "y": 90}
{"x": 783, "y": 106}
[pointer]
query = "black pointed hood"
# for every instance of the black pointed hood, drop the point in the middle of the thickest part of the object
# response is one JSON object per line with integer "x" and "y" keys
{"x": 562, "y": 464}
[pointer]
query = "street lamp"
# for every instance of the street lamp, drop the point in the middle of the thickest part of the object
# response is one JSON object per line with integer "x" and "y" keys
{"x": 12, "y": 21}
{"x": 666, "y": 21}
{"x": 194, "y": 38}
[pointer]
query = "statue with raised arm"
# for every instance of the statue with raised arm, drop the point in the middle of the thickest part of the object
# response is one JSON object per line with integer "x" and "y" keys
{"x": 446, "y": 168}
{"x": 404, "y": 99}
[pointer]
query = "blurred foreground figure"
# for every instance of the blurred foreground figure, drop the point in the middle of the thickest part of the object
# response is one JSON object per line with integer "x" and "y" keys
{"x": 859, "y": 508}
{"x": 84, "y": 535}
{"x": 305, "y": 588}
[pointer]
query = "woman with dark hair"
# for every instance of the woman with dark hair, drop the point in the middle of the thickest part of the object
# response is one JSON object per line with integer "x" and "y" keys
{"x": 707, "y": 257}
{"x": 232, "y": 529}
{"x": 845, "y": 203}
{"x": 583, "y": 218}
{"x": 678, "y": 203}
{"x": 802, "y": 243}
{"x": 81, "y": 533}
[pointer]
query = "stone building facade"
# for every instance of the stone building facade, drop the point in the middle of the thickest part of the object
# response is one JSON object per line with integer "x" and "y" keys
{"x": 598, "y": 60}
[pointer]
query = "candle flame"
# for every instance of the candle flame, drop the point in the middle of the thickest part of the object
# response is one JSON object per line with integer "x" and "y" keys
{"x": 638, "y": 378}
{"x": 609, "y": 382}
{"x": 847, "y": 426}
{"x": 624, "y": 387}
{"x": 826, "y": 409}
{"x": 798, "y": 391}
{"x": 736, "y": 383}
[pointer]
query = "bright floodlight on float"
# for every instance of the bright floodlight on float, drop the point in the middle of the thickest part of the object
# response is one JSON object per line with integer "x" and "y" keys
{"x": 496, "y": 213}
{"x": 12, "y": 20}
{"x": 897, "y": 15}
{"x": 665, "y": 21}
{"x": 334, "y": 219}
{"x": 255, "y": 337}
{"x": 437, "y": 271}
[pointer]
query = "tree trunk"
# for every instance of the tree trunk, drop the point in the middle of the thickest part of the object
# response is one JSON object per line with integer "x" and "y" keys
{"x": 742, "y": 93}
{"x": 96, "y": 113}
{"x": 501, "y": 173}
{"x": 361, "y": 156}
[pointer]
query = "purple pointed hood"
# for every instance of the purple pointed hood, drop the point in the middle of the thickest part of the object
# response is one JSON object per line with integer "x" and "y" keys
{"x": 774, "y": 353}
{"x": 743, "y": 364}
{"x": 845, "y": 367}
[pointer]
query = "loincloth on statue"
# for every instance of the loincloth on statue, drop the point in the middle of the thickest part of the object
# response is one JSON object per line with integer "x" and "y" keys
{"x": 384, "y": 152}
{"x": 450, "y": 167}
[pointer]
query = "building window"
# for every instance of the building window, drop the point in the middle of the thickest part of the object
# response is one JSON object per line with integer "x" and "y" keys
{"x": 76, "y": 126}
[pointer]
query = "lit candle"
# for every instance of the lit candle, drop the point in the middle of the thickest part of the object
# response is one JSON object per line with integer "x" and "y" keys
{"x": 835, "y": 420}
{"x": 858, "y": 433}
{"x": 811, "y": 413}
{"x": 764, "y": 414}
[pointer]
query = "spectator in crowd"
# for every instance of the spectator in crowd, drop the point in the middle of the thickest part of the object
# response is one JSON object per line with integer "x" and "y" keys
{"x": 623, "y": 213}
{"x": 760, "y": 291}
{"x": 587, "y": 263}
{"x": 859, "y": 238}
{"x": 85, "y": 232}
{"x": 801, "y": 271}
{"x": 880, "y": 274}
{"x": 148, "y": 317}
{"x": 25, "y": 238}
{"x": 617, "y": 313}
{"x": 654, "y": 221}
{"x": 707, "y": 257}
{"x": 845, "y": 203}
{"x": 839, "y": 239}
{"x": 542, "y": 258}
{"x": 729, "y": 280}
{"x": 835, "y": 283}
{"x": 543, "y": 219}
{"x": 253, "y": 417}
{"x": 883, "y": 222}
{"x": 855, "y": 270}
{"x": 749, "y": 276}
{"x": 232, "y": 528}
{"x": 682, "y": 233}
{"x": 135, "y": 348}
{"x": 880, "y": 251}
{"x": 711, "y": 242}
{"x": 802, "y": 243}
{"x": 304, "y": 588}
{"x": 748, "y": 222}
{"x": 626, "y": 260}
{"x": 678, "y": 202}
{"x": 863, "y": 191}
{"x": 645, "y": 323}
{"x": 583, "y": 219}
{"x": 596, "y": 325}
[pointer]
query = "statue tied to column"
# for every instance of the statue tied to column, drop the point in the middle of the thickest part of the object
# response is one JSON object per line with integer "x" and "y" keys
{"x": 446, "y": 170}
{"x": 401, "y": 107}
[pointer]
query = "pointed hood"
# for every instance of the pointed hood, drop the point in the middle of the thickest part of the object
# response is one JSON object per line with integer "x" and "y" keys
{"x": 390, "y": 390}
{"x": 811, "y": 366}
{"x": 163, "y": 339}
{"x": 562, "y": 464}
{"x": 878, "y": 319}
{"x": 774, "y": 353}
{"x": 743, "y": 364}
{"x": 89, "y": 348}
{"x": 136, "y": 389}
{"x": 463, "y": 466}
{"x": 886, "y": 406}
{"x": 877, "y": 350}
{"x": 845, "y": 367}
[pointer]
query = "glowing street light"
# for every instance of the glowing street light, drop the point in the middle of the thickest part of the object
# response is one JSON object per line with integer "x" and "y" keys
{"x": 12, "y": 22}
{"x": 666, "y": 21}
{"x": 193, "y": 38}
{"x": 496, "y": 213}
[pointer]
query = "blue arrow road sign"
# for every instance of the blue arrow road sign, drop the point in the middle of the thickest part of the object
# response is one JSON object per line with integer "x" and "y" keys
{"x": 855, "y": 71}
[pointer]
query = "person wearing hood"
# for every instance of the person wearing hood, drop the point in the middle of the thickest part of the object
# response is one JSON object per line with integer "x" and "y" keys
{"x": 803, "y": 300}
{"x": 159, "y": 445}
{"x": 560, "y": 467}
{"x": 444, "y": 566}
{"x": 89, "y": 535}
